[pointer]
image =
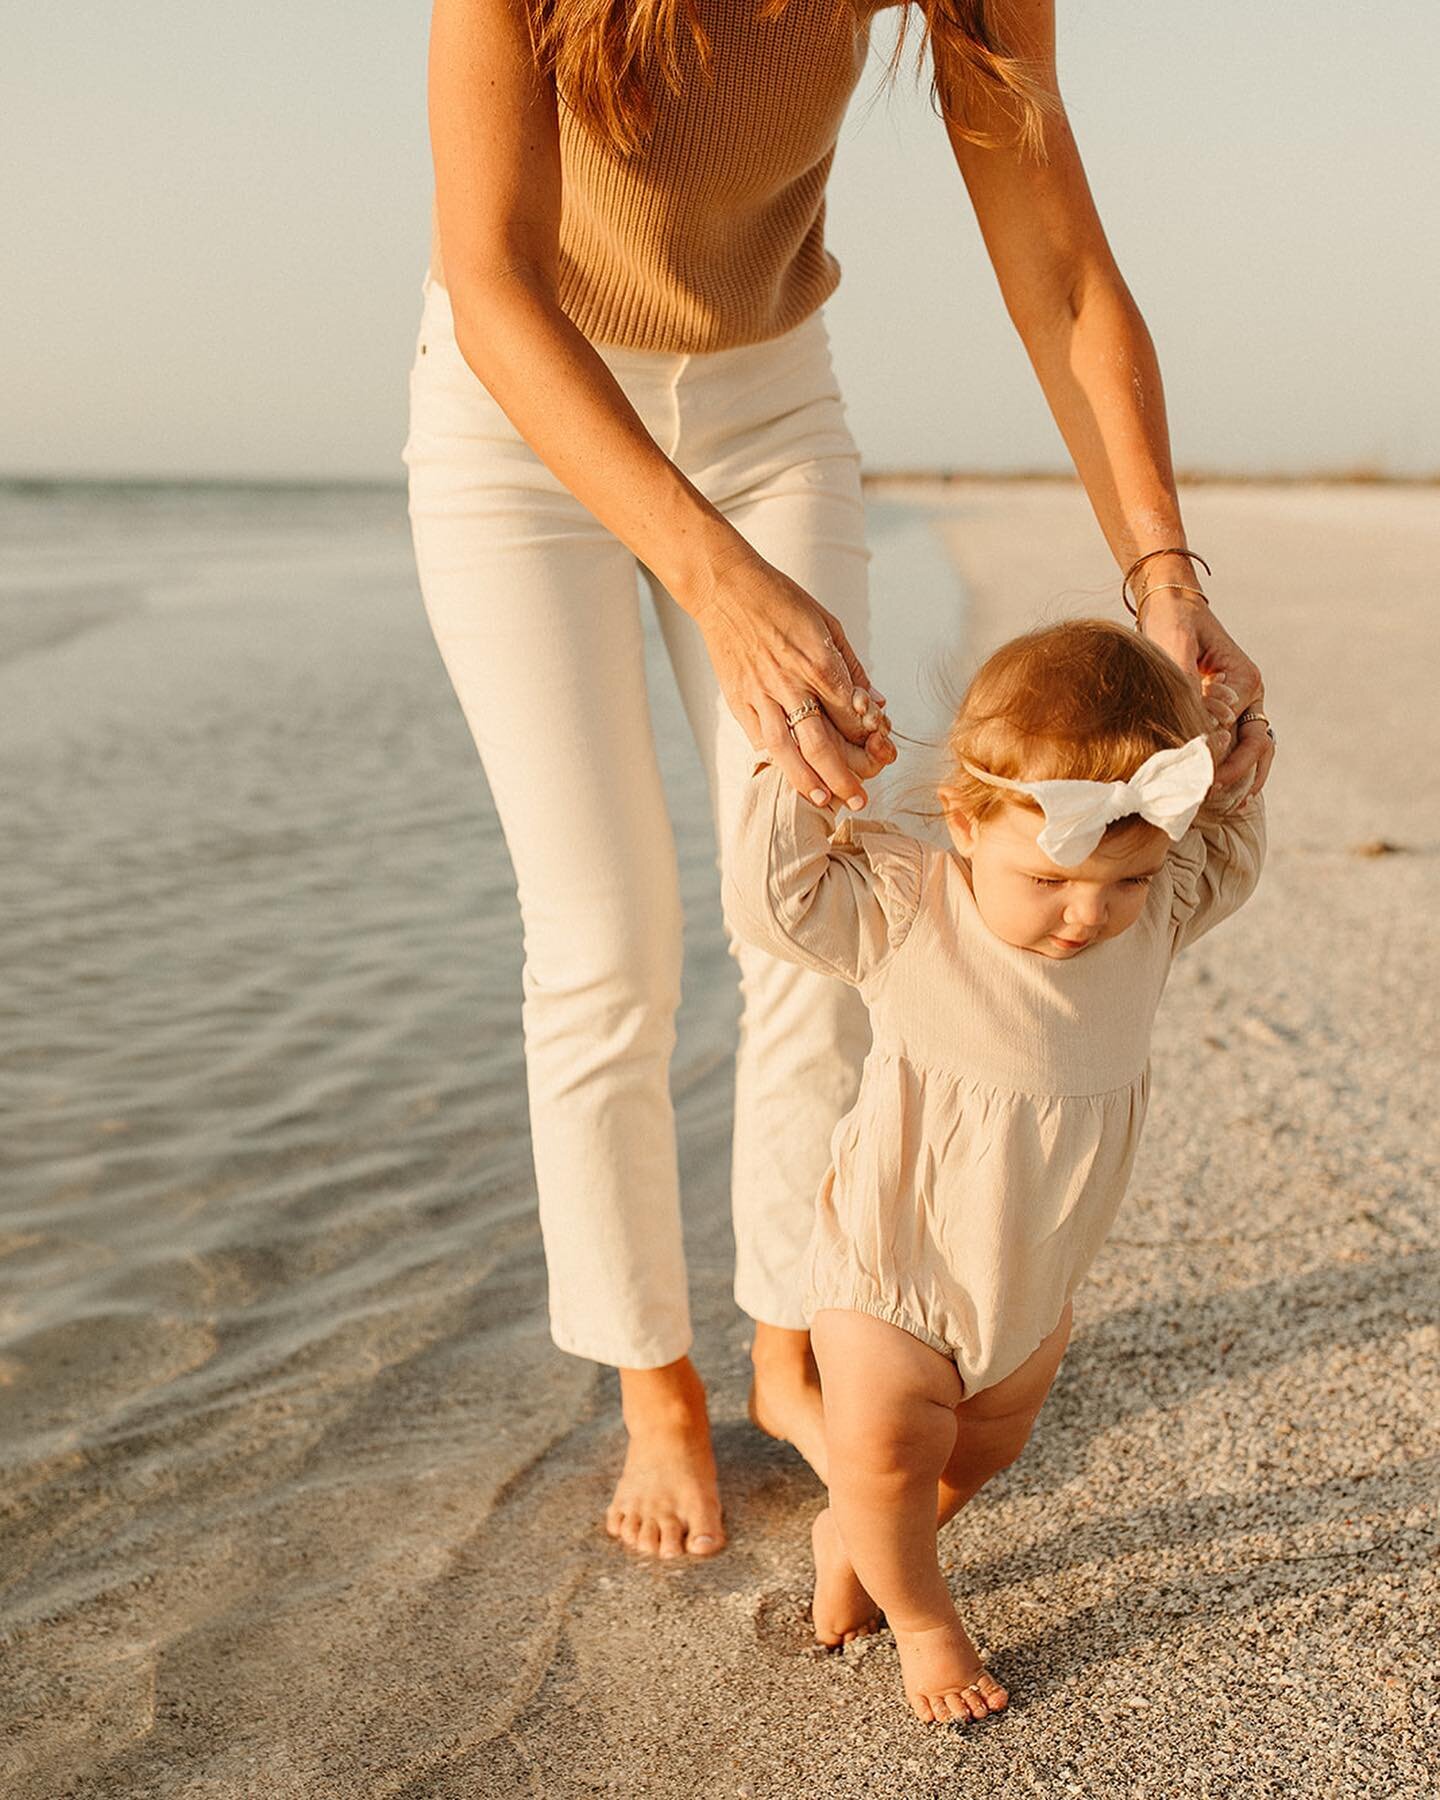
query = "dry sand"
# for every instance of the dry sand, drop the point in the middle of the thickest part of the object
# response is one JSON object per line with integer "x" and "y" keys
{"x": 299, "y": 1501}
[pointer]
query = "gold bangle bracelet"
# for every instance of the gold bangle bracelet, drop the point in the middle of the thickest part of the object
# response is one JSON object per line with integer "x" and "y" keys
{"x": 1179, "y": 587}
{"x": 1172, "y": 550}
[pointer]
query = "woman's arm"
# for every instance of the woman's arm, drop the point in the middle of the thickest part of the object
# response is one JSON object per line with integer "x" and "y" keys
{"x": 1095, "y": 361}
{"x": 495, "y": 140}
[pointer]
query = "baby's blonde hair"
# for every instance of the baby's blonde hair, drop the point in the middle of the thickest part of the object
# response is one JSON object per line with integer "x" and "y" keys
{"x": 1082, "y": 700}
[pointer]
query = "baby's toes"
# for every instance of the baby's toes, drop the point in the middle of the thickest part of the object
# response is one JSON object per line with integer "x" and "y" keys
{"x": 996, "y": 1698}
{"x": 977, "y": 1699}
{"x": 977, "y": 1702}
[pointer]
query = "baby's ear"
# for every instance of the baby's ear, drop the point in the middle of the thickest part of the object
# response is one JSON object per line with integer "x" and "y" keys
{"x": 957, "y": 821}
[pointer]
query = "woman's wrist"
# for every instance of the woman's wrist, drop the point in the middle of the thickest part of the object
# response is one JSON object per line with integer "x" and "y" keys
{"x": 701, "y": 554}
{"x": 1182, "y": 571}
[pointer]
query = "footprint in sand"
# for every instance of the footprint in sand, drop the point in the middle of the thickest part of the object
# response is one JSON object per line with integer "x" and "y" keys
{"x": 782, "y": 1624}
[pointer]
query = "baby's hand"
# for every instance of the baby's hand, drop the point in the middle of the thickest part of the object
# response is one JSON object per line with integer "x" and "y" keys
{"x": 1220, "y": 701}
{"x": 868, "y": 759}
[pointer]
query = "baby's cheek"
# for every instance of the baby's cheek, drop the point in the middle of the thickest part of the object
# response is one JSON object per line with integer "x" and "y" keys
{"x": 1132, "y": 907}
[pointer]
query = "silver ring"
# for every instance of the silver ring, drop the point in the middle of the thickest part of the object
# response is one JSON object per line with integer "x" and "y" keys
{"x": 803, "y": 711}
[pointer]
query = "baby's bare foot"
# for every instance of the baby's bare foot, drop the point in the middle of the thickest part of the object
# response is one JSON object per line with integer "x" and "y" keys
{"x": 667, "y": 1501}
{"x": 785, "y": 1400}
{"x": 944, "y": 1676}
{"x": 841, "y": 1609}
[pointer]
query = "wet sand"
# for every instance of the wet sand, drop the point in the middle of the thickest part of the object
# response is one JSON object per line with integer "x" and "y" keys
{"x": 300, "y": 1501}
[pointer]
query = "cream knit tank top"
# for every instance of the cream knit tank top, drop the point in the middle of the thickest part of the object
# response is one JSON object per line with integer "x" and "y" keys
{"x": 713, "y": 233}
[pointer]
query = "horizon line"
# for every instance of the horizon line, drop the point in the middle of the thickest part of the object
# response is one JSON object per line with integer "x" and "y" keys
{"x": 1355, "y": 476}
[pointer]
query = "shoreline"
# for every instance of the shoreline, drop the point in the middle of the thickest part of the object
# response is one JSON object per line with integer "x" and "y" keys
{"x": 879, "y": 479}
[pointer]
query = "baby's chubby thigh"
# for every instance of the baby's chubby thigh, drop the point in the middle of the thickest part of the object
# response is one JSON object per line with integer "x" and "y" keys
{"x": 889, "y": 1399}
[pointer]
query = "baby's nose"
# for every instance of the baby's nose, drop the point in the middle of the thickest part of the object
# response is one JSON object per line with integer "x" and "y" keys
{"x": 1087, "y": 910}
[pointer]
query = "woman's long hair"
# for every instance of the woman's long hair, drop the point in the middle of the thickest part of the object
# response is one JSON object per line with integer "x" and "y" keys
{"x": 599, "y": 53}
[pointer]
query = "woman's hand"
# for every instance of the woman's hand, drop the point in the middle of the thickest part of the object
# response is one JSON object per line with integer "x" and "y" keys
{"x": 1192, "y": 636}
{"x": 773, "y": 648}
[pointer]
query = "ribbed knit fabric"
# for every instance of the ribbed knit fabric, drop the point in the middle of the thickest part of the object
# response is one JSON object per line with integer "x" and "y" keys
{"x": 713, "y": 234}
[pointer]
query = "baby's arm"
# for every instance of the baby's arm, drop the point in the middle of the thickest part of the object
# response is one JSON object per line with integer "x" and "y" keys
{"x": 1216, "y": 865}
{"x": 838, "y": 898}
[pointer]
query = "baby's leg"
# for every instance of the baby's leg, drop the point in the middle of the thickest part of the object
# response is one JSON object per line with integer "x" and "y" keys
{"x": 890, "y": 1429}
{"x": 993, "y": 1426}
{"x": 992, "y": 1429}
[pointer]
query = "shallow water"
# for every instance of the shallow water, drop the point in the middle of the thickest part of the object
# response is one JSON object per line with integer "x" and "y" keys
{"x": 270, "y": 1257}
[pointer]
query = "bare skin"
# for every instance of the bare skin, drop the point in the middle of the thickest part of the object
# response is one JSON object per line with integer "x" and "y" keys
{"x": 840, "y": 1608}
{"x": 667, "y": 1501}
{"x": 889, "y": 1415}
{"x": 785, "y": 1400}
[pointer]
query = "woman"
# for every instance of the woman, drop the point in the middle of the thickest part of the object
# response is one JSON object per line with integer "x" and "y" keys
{"x": 622, "y": 364}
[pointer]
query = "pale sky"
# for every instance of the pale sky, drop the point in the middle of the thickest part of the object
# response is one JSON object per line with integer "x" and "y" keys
{"x": 214, "y": 226}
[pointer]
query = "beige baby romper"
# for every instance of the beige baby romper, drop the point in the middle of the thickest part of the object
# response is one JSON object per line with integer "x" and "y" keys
{"x": 1001, "y": 1103}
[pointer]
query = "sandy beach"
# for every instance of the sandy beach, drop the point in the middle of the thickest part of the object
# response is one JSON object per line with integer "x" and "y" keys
{"x": 297, "y": 1500}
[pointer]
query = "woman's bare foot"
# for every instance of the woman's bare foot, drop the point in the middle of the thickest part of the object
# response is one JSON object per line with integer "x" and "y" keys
{"x": 841, "y": 1609}
{"x": 785, "y": 1394}
{"x": 944, "y": 1676}
{"x": 667, "y": 1501}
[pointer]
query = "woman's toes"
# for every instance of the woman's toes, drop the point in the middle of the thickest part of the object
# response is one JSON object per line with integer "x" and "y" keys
{"x": 647, "y": 1539}
{"x": 921, "y": 1708}
{"x": 672, "y": 1537}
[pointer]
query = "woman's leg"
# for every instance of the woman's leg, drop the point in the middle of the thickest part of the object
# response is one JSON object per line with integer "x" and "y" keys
{"x": 535, "y": 611}
{"x": 790, "y": 482}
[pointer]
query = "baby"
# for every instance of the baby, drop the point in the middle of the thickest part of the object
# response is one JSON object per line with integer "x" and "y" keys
{"x": 1012, "y": 987}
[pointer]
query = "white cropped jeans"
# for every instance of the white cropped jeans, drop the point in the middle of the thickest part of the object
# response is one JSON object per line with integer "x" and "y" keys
{"x": 535, "y": 608}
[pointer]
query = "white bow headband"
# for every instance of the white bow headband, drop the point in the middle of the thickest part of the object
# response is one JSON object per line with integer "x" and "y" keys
{"x": 1166, "y": 790}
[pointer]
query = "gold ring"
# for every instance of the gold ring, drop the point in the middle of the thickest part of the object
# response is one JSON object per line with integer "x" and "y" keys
{"x": 803, "y": 711}
{"x": 1252, "y": 715}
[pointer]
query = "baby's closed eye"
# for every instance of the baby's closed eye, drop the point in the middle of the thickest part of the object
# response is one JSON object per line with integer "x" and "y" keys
{"x": 1050, "y": 881}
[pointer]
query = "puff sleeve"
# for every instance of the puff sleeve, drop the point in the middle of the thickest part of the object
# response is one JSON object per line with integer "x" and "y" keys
{"x": 839, "y": 898}
{"x": 1214, "y": 869}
